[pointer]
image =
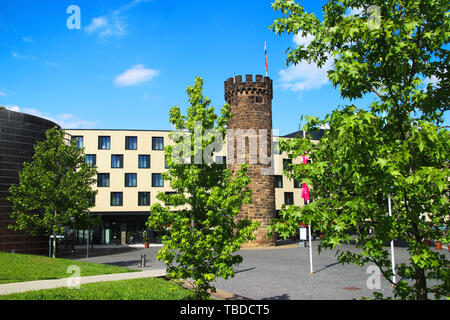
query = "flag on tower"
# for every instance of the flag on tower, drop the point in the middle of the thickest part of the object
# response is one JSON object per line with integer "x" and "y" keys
{"x": 265, "y": 53}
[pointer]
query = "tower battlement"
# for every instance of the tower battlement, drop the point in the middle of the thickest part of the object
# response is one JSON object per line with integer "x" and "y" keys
{"x": 261, "y": 86}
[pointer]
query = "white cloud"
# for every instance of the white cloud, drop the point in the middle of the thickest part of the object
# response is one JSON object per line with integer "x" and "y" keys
{"x": 27, "y": 39}
{"x": 65, "y": 120}
{"x": 433, "y": 81}
{"x": 2, "y": 94}
{"x": 304, "y": 40}
{"x": 304, "y": 76}
{"x": 106, "y": 26}
{"x": 16, "y": 55}
{"x": 135, "y": 76}
{"x": 96, "y": 24}
{"x": 354, "y": 11}
{"x": 112, "y": 24}
{"x": 13, "y": 108}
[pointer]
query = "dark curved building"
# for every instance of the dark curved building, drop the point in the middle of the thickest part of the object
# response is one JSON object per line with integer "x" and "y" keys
{"x": 18, "y": 134}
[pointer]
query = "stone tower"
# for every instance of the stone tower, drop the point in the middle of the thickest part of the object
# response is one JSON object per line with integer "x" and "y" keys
{"x": 251, "y": 123}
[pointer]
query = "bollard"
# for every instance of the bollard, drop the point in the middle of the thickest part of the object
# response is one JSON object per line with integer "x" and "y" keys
{"x": 142, "y": 260}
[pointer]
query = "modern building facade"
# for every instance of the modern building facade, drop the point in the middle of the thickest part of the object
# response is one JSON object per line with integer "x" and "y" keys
{"x": 129, "y": 165}
{"x": 18, "y": 134}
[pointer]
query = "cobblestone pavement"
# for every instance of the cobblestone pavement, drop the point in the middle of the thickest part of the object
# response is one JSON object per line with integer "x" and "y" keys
{"x": 283, "y": 273}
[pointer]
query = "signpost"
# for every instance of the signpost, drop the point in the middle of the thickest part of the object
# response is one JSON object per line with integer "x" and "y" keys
{"x": 50, "y": 244}
{"x": 394, "y": 280}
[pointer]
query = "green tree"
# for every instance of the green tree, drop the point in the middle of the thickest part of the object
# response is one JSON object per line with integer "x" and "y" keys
{"x": 55, "y": 188}
{"x": 398, "y": 149}
{"x": 198, "y": 221}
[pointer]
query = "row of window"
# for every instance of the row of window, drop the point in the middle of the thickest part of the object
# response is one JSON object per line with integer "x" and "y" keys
{"x": 288, "y": 198}
{"x": 103, "y": 180}
{"x": 279, "y": 183}
{"x": 144, "y": 198}
{"x": 117, "y": 161}
{"x": 131, "y": 142}
{"x": 117, "y": 199}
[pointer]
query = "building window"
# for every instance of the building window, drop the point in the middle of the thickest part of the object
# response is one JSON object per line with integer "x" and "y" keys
{"x": 130, "y": 143}
{"x": 91, "y": 160}
{"x": 117, "y": 161}
{"x": 278, "y": 181}
{"x": 143, "y": 198}
{"x": 287, "y": 163}
{"x": 157, "y": 143}
{"x": 221, "y": 160}
{"x": 144, "y": 161}
{"x": 157, "y": 180}
{"x": 79, "y": 141}
{"x": 103, "y": 180}
{"x": 116, "y": 199}
{"x": 297, "y": 184}
{"x": 288, "y": 198}
{"x": 130, "y": 179}
{"x": 104, "y": 142}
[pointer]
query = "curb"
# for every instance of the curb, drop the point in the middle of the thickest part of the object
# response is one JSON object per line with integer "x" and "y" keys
{"x": 285, "y": 246}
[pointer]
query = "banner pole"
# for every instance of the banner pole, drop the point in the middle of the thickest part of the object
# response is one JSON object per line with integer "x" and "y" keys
{"x": 310, "y": 247}
{"x": 392, "y": 246}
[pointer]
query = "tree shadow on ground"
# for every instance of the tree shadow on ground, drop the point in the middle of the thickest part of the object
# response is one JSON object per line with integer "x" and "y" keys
{"x": 326, "y": 267}
{"x": 244, "y": 270}
{"x": 129, "y": 263}
{"x": 284, "y": 296}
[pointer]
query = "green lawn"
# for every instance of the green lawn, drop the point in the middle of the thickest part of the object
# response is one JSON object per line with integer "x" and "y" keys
{"x": 26, "y": 267}
{"x": 134, "y": 289}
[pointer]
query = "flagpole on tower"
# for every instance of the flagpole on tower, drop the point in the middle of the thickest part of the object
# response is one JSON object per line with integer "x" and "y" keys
{"x": 265, "y": 54}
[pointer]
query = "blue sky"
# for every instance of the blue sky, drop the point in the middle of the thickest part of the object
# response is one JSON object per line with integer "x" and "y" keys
{"x": 132, "y": 60}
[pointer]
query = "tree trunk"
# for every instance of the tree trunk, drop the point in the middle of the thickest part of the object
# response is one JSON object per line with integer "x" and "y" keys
{"x": 54, "y": 245}
{"x": 421, "y": 284}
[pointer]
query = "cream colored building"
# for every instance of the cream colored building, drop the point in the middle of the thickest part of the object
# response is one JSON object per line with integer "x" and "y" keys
{"x": 129, "y": 164}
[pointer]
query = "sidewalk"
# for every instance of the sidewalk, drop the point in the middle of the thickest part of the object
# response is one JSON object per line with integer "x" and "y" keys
{"x": 119, "y": 246}
{"x": 71, "y": 281}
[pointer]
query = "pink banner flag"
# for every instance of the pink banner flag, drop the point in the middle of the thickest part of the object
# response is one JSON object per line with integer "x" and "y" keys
{"x": 305, "y": 192}
{"x": 305, "y": 189}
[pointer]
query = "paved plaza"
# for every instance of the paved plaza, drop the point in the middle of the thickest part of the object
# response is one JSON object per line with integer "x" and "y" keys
{"x": 281, "y": 273}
